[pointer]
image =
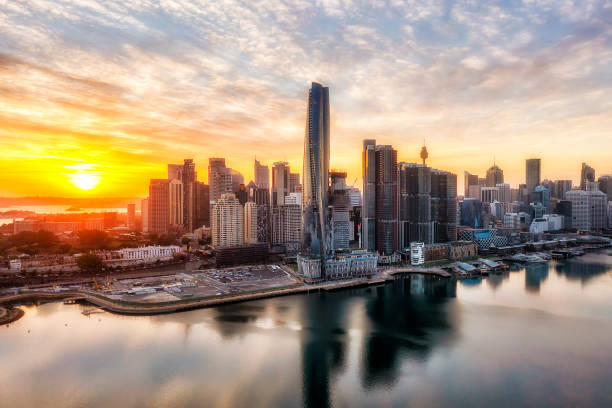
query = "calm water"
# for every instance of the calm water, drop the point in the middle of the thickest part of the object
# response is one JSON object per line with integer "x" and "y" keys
{"x": 536, "y": 337}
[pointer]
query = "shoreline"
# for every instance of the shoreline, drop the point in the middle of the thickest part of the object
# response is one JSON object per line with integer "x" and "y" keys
{"x": 158, "y": 308}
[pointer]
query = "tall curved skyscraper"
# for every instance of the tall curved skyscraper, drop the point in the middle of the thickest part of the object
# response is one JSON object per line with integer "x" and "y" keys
{"x": 315, "y": 217}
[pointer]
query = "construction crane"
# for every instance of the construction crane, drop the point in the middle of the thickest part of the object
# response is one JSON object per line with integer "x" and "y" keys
{"x": 96, "y": 284}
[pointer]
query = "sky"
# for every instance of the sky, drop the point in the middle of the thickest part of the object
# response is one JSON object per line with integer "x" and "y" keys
{"x": 97, "y": 97}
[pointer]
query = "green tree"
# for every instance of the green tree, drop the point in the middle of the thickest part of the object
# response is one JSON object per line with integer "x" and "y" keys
{"x": 90, "y": 263}
{"x": 93, "y": 239}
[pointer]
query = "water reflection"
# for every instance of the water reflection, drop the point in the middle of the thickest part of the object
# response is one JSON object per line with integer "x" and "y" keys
{"x": 418, "y": 341}
{"x": 407, "y": 318}
{"x": 579, "y": 269}
{"x": 534, "y": 276}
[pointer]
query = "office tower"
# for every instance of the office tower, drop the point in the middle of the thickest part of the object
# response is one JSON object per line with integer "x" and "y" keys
{"x": 315, "y": 221}
{"x": 505, "y": 194}
{"x": 588, "y": 209}
{"x": 175, "y": 203}
{"x": 489, "y": 194}
{"x": 368, "y": 206}
{"x": 470, "y": 213}
{"x": 415, "y": 224}
{"x": 293, "y": 198}
{"x": 495, "y": 176}
{"x": 387, "y": 210}
{"x": 242, "y": 195}
{"x": 541, "y": 195}
{"x": 587, "y": 174}
{"x": 144, "y": 214}
{"x": 262, "y": 175}
{"x": 237, "y": 180}
{"x": 294, "y": 183}
{"x": 159, "y": 206}
{"x": 188, "y": 178}
{"x": 175, "y": 171}
{"x": 469, "y": 180}
{"x": 219, "y": 178}
{"x": 560, "y": 187}
{"x": 523, "y": 195}
{"x": 250, "y": 223}
{"x": 202, "y": 204}
{"x": 444, "y": 205}
{"x": 227, "y": 222}
{"x": 605, "y": 185}
{"x": 532, "y": 174}
{"x": 131, "y": 216}
{"x": 280, "y": 182}
{"x": 564, "y": 208}
{"x": 340, "y": 204}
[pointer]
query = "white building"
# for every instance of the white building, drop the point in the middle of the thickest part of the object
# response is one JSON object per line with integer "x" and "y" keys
{"x": 538, "y": 226}
{"x": 227, "y": 222}
{"x": 250, "y": 222}
{"x": 516, "y": 220}
{"x": 149, "y": 253}
{"x": 417, "y": 253}
{"x": 588, "y": 209}
{"x": 286, "y": 224}
{"x": 555, "y": 221}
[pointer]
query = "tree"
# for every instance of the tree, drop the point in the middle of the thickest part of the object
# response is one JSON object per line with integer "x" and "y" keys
{"x": 90, "y": 263}
{"x": 93, "y": 239}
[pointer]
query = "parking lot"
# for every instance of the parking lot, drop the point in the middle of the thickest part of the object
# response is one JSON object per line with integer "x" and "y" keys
{"x": 197, "y": 284}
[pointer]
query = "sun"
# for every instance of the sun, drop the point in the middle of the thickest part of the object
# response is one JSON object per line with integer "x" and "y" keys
{"x": 84, "y": 180}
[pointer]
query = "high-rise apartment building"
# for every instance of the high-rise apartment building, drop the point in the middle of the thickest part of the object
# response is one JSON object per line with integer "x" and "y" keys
{"x": 587, "y": 175}
{"x": 532, "y": 174}
{"x": 250, "y": 223}
{"x": 495, "y": 176}
{"x": 340, "y": 205}
{"x": 219, "y": 178}
{"x": 227, "y": 222}
{"x": 280, "y": 182}
{"x": 315, "y": 220}
{"x": 159, "y": 206}
{"x": 131, "y": 216}
{"x": 262, "y": 175}
{"x": 286, "y": 224}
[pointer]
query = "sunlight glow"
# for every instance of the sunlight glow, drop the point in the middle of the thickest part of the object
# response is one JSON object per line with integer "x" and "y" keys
{"x": 85, "y": 181}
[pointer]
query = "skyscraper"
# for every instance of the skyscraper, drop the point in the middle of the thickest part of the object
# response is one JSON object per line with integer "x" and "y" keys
{"x": 219, "y": 178}
{"x": 605, "y": 186}
{"x": 588, "y": 209}
{"x": 131, "y": 216}
{"x": 587, "y": 175}
{"x": 175, "y": 202}
{"x": 560, "y": 187}
{"x": 280, "y": 182}
{"x": 159, "y": 203}
{"x": 144, "y": 214}
{"x": 262, "y": 175}
{"x": 532, "y": 174}
{"x": 495, "y": 176}
{"x": 444, "y": 205}
{"x": 368, "y": 210}
{"x": 315, "y": 219}
{"x": 469, "y": 180}
{"x": 414, "y": 204}
{"x": 294, "y": 183}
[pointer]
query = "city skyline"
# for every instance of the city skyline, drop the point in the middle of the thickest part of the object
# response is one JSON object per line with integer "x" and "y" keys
{"x": 95, "y": 95}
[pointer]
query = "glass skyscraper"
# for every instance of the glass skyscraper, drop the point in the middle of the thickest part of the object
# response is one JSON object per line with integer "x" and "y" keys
{"x": 315, "y": 217}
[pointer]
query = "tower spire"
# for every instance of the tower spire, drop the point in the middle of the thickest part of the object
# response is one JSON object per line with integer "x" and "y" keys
{"x": 424, "y": 154}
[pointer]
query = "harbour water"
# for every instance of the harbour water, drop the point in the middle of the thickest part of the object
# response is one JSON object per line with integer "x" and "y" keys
{"x": 539, "y": 336}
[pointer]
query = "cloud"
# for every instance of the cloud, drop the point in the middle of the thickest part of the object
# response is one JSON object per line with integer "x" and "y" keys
{"x": 139, "y": 83}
